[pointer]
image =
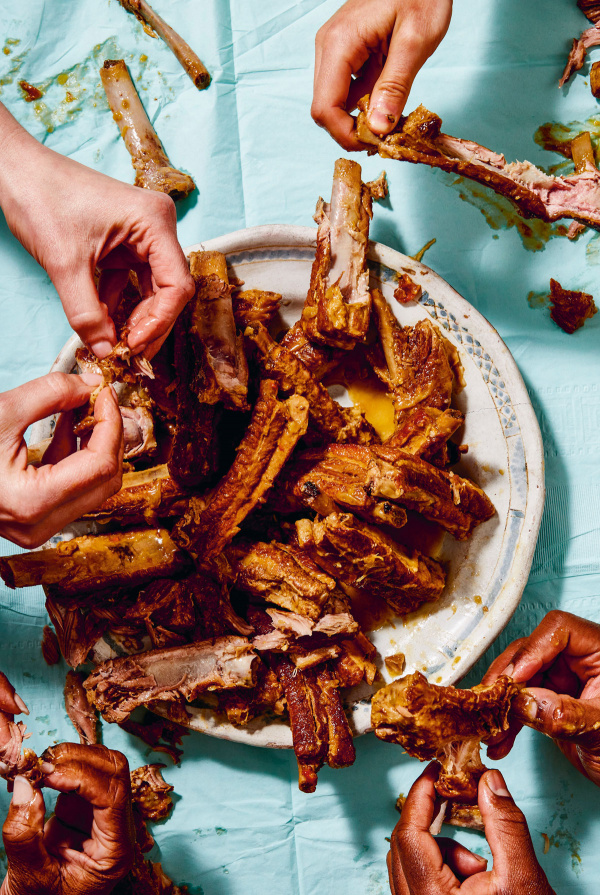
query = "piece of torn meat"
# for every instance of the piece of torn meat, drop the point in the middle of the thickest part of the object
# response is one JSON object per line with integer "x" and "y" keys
{"x": 254, "y": 306}
{"x": 153, "y": 170}
{"x": 418, "y": 139}
{"x": 406, "y": 289}
{"x": 318, "y": 359}
{"x": 154, "y": 25}
{"x": 274, "y": 430}
{"x": 445, "y": 724}
{"x": 50, "y": 646}
{"x": 364, "y": 558}
{"x": 150, "y": 793}
{"x": 570, "y": 309}
{"x": 146, "y": 495}
{"x": 81, "y": 713}
{"x": 587, "y": 39}
{"x": 177, "y": 674}
{"x": 76, "y": 633}
{"x": 338, "y": 304}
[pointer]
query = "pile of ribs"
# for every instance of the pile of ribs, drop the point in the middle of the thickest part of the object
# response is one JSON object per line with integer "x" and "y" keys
{"x": 255, "y": 509}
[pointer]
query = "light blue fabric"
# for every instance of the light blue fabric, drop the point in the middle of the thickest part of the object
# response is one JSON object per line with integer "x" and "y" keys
{"x": 240, "y": 824}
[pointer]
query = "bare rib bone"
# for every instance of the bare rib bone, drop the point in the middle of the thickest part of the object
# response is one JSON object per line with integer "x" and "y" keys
{"x": 153, "y": 169}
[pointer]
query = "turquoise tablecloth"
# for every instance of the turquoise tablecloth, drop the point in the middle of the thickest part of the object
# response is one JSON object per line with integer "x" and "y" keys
{"x": 240, "y": 824}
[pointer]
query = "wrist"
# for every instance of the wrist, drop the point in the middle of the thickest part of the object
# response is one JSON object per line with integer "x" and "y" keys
{"x": 17, "y": 147}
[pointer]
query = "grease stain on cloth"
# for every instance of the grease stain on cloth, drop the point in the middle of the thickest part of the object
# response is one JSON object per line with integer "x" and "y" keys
{"x": 558, "y": 836}
{"x": 500, "y": 214}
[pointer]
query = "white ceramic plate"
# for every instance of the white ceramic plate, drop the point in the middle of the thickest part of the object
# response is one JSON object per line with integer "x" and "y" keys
{"x": 487, "y": 573}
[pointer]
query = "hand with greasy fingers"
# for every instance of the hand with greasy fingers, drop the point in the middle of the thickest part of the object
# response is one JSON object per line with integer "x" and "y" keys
{"x": 560, "y": 664}
{"x": 87, "y": 845}
{"x": 376, "y": 47}
{"x": 35, "y": 503}
{"x": 74, "y": 220}
{"x": 419, "y": 864}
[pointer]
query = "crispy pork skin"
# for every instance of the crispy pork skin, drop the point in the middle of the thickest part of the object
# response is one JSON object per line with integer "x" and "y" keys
{"x": 275, "y": 429}
{"x": 83, "y": 716}
{"x": 362, "y": 557}
{"x": 333, "y": 422}
{"x": 155, "y": 25}
{"x": 445, "y": 724}
{"x": 570, "y": 309}
{"x": 153, "y": 169}
{"x": 338, "y": 304}
{"x": 418, "y": 139}
{"x": 177, "y": 674}
{"x": 96, "y": 562}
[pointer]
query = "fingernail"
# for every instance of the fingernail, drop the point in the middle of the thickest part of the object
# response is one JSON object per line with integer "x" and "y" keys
{"x": 91, "y": 378}
{"x": 509, "y": 670}
{"x": 102, "y": 348}
{"x": 495, "y": 782}
{"x": 525, "y": 705}
{"x": 23, "y": 791}
{"x": 21, "y": 704}
{"x": 481, "y": 859}
{"x": 47, "y": 767}
{"x": 380, "y": 121}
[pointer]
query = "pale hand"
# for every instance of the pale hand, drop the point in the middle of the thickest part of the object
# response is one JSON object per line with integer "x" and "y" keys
{"x": 383, "y": 43}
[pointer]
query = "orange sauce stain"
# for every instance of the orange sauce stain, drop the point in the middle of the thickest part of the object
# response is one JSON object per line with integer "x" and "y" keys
{"x": 367, "y": 393}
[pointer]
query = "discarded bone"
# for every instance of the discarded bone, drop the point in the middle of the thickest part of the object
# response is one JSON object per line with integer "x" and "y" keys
{"x": 154, "y": 23}
{"x": 153, "y": 168}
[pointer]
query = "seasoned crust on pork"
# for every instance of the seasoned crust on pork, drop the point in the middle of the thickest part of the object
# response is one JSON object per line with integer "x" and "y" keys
{"x": 445, "y": 724}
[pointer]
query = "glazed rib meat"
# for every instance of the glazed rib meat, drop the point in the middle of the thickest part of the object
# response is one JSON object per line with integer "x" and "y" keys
{"x": 425, "y": 431}
{"x": 338, "y": 303}
{"x": 283, "y": 575}
{"x": 363, "y": 558}
{"x": 150, "y": 793}
{"x": 570, "y": 309}
{"x": 153, "y": 169}
{"x": 318, "y": 359}
{"x": 333, "y": 422}
{"x": 445, "y": 724}
{"x": 418, "y": 139}
{"x": 217, "y": 346}
{"x": 329, "y": 480}
{"x": 255, "y": 306}
{"x": 153, "y": 25}
{"x": 273, "y": 432}
{"x": 97, "y": 562}
{"x": 145, "y": 495}
{"x": 177, "y": 674}
{"x": 384, "y": 475}
{"x": 83, "y": 716}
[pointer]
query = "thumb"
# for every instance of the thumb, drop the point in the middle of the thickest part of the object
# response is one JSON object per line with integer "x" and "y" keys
{"x": 85, "y": 312}
{"x": 23, "y": 835}
{"x": 408, "y": 51}
{"x": 516, "y": 867}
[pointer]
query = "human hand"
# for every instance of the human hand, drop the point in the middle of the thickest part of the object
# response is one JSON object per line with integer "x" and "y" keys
{"x": 87, "y": 845}
{"x": 384, "y": 43}
{"x": 419, "y": 864}
{"x": 560, "y": 663}
{"x": 73, "y": 220}
{"x": 36, "y": 503}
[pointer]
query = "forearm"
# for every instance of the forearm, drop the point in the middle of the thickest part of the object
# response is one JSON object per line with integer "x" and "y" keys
{"x": 17, "y": 147}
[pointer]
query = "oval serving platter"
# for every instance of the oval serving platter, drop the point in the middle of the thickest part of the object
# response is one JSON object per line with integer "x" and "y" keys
{"x": 487, "y": 573}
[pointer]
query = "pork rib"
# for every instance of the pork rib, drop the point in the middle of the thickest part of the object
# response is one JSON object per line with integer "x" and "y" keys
{"x": 83, "y": 716}
{"x": 418, "y": 139}
{"x": 177, "y": 674}
{"x": 338, "y": 304}
{"x": 153, "y": 25}
{"x": 153, "y": 169}
{"x": 145, "y": 495}
{"x": 96, "y": 562}
{"x": 275, "y": 429}
{"x": 445, "y": 724}
{"x": 365, "y": 559}
{"x": 333, "y": 422}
